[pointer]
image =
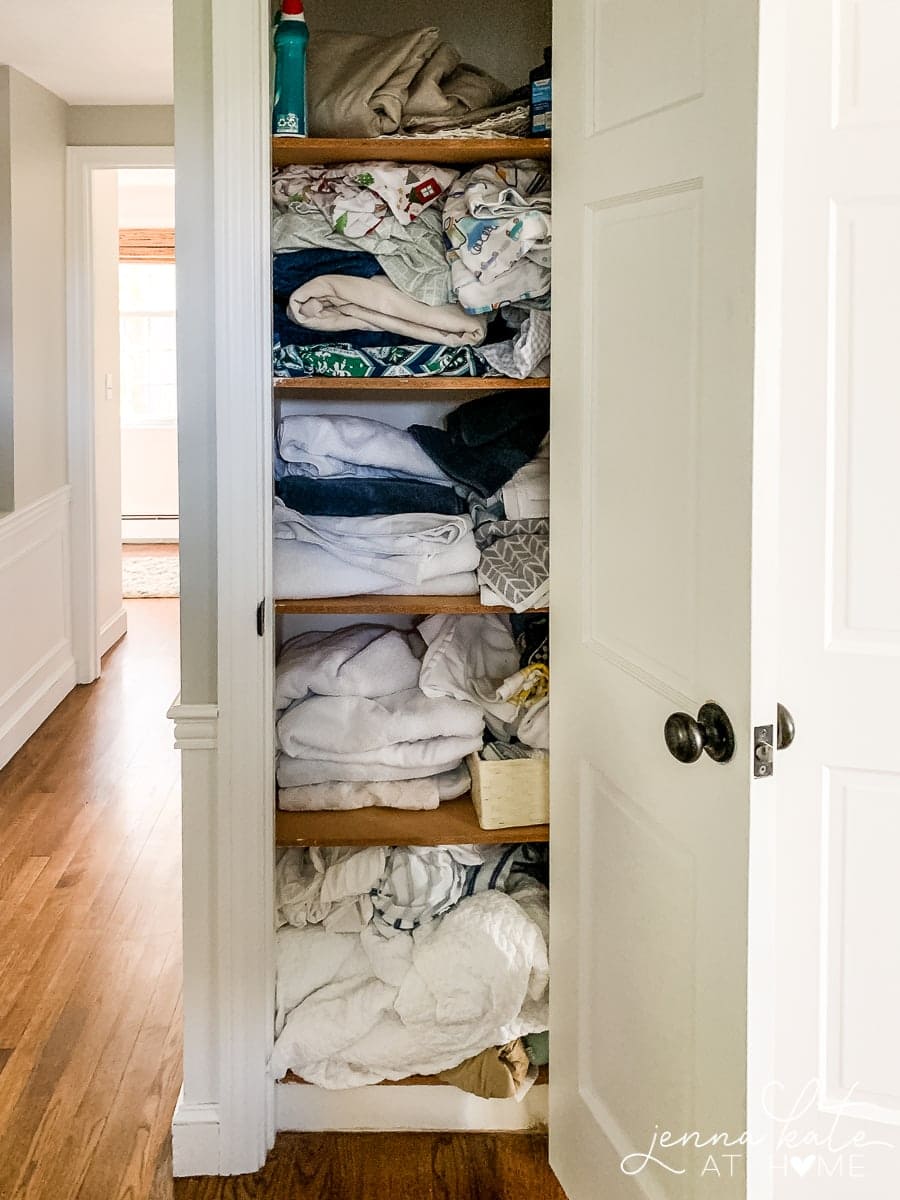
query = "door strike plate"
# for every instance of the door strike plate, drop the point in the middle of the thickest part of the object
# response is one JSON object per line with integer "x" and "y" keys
{"x": 763, "y": 751}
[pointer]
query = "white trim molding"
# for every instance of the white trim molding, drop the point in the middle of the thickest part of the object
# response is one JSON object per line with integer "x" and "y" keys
{"x": 112, "y": 631}
{"x": 37, "y": 669}
{"x": 196, "y": 1132}
{"x": 196, "y": 725}
{"x": 82, "y": 162}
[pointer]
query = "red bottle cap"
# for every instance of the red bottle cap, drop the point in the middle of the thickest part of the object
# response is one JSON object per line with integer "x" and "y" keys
{"x": 292, "y": 8}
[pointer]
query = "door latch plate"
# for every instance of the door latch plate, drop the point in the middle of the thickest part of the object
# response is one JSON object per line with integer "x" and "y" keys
{"x": 763, "y": 751}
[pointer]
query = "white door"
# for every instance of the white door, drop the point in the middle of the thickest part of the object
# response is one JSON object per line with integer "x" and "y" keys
{"x": 658, "y": 500}
{"x": 837, "y": 1064}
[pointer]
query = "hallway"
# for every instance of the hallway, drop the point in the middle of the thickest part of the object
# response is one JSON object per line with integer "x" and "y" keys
{"x": 90, "y": 933}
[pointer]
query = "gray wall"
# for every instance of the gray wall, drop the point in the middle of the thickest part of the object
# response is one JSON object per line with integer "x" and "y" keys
{"x": 194, "y": 206}
{"x": 121, "y": 125}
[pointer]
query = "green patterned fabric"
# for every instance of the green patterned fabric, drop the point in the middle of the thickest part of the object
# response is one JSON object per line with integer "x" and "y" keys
{"x": 354, "y": 362}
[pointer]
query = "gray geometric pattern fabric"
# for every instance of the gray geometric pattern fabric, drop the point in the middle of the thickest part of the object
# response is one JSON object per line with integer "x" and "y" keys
{"x": 515, "y": 561}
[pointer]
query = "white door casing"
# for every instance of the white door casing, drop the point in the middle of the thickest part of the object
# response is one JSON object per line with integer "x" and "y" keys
{"x": 837, "y": 1060}
{"x": 663, "y": 585}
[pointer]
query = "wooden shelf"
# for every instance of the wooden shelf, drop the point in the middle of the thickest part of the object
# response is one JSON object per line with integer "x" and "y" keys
{"x": 412, "y": 1080}
{"x": 287, "y": 150}
{"x": 375, "y": 387}
{"x": 466, "y": 605}
{"x": 452, "y": 823}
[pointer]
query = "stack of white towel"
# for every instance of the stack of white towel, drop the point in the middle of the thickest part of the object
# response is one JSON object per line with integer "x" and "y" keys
{"x": 413, "y": 554}
{"x": 370, "y": 715}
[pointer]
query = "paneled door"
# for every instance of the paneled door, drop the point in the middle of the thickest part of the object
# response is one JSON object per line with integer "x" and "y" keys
{"x": 663, "y": 579}
{"x": 837, "y": 948}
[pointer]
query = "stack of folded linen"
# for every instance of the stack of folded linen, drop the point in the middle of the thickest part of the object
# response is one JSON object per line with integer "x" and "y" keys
{"x": 350, "y": 712}
{"x": 381, "y": 944}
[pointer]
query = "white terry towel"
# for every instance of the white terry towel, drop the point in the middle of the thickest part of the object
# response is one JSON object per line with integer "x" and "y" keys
{"x": 417, "y": 794}
{"x": 336, "y": 302}
{"x": 435, "y": 758}
{"x": 344, "y": 447}
{"x": 344, "y": 728}
{"x": 358, "y": 660}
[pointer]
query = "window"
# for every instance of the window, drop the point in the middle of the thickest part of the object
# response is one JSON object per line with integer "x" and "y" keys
{"x": 147, "y": 343}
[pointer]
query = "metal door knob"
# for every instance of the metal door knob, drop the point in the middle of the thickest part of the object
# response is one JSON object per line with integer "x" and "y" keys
{"x": 785, "y": 728}
{"x": 712, "y": 731}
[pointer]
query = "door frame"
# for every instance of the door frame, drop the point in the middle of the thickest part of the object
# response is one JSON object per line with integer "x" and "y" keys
{"x": 81, "y": 162}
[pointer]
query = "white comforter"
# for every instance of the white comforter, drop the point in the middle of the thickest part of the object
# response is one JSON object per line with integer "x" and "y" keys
{"x": 359, "y": 1008}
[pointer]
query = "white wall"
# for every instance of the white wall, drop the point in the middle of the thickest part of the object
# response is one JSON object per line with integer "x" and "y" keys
{"x": 111, "y": 618}
{"x": 146, "y": 198}
{"x": 36, "y": 664}
{"x": 121, "y": 125}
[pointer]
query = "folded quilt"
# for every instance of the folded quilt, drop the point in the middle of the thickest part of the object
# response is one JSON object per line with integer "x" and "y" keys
{"x": 323, "y": 446}
{"x": 398, "y": 793}
{"x": 356, "y": 660}
{"x": 487, "y": 440}
{"x": 412, "y": 256}
{"x": 515, "y": 561}
{"x": 528, "y": 352}
{"x": 364, "y": 86}
{"x": 497, "y": 229}
{"x": 343, "y": 360}
{"x": 333, "y": 303}
{"x": 367, "y": 497}
{"x": 473, "y": 978}
{"x": 347, "y": 728}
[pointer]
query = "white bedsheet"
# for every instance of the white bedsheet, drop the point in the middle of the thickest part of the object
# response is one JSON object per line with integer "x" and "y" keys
{"x": 415, "y": 794}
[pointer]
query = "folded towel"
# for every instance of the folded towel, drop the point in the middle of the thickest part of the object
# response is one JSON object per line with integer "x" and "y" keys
{"x": 301, "y": 571}
{"x": 527, "y": 494}
{"x": 398, "y": 361}
{"x": 515, "y": 561}
{"x": 364, "y": 86}
{"x": 332, "y": 303}
{"x": 323, "y": 446}
{"x": 488, "y": 439}
{"x": 356, "y": 660}
{"x": 420, "y": 760}
{"x": 400, "y": 793}
{"x": 367, "y": 497}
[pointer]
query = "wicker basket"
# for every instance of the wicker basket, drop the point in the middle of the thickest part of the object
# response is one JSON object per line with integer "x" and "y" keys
{"x": 510, "y": 792}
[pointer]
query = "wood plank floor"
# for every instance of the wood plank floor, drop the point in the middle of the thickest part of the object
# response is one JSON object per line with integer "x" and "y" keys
{"x": 90, "y": 933}
{"x": 402, "y": 1166}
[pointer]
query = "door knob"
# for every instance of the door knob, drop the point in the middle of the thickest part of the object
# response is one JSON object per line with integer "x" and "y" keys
{"x": 712, "y": 731}
{"x": 785, "y": 728}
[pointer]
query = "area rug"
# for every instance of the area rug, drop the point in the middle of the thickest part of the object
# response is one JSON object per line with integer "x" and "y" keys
{"x": 147, "y": 575}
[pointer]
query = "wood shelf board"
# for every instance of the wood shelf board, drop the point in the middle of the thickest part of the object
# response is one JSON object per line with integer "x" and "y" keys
{"x": 376, "y": 387}
{"x": 376, "y": 604}
{"x": 411, "y": 1080}
{"x": 288, "y": 150}
{"x": 452, "y": 823}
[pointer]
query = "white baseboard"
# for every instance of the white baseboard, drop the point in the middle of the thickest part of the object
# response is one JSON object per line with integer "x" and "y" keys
{"x": 113, "y": 631}
{"x": 149, "y": 529}
{"x": 195, "y": 1139}
{"x": 37, "y": 667}
{"x": 302, "y": 1107}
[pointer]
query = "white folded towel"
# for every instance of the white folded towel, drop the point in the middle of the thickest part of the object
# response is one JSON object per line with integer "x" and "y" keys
{"x": 298, "y": 772}
{"x": 343, "y": 447}
{"x": 415, "y": 794}
{"x": 358, "y": 660}
{"x": 338, "y": 302}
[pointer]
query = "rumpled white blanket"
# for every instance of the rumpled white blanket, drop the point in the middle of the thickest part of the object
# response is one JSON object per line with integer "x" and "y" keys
{"x": 338, "y": 302}
{"x": 350, "y": 728}
{"x": 418, "y": 794}
{"x": 323, "y": 446}
{"x": 409, "y": 554}
{"x": 469, "y": 657}
{"x": 328, "y": 886}
{"x": 357, "y": 660}
{"x": 363, "y": 1008}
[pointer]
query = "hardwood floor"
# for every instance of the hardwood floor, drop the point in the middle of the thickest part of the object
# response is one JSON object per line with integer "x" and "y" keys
{"x": 90, "y": 932}
{"x": 402, "y": 1166}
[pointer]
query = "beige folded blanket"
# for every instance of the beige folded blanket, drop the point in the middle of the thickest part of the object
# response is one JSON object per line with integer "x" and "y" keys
{"x": 336, "y": 302}
{"x": 364, "y": 86}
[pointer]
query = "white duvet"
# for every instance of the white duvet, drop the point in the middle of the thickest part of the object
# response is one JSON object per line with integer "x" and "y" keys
{"x": 355, "y": 1009}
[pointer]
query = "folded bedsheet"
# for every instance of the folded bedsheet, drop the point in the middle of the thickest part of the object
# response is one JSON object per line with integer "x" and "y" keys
{"x": 335, "y": 303}
{"x": 354, "y": 1008}
{"x": 415, "y": 794}
{"x": 299, "y": 772}
{"x": 497, "y": 229}
{"x": 362, "y": 497}
{"x": 359, "y": 85}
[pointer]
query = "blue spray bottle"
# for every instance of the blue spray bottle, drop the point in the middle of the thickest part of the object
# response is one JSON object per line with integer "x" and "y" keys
{"x": 291, "y": 38}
